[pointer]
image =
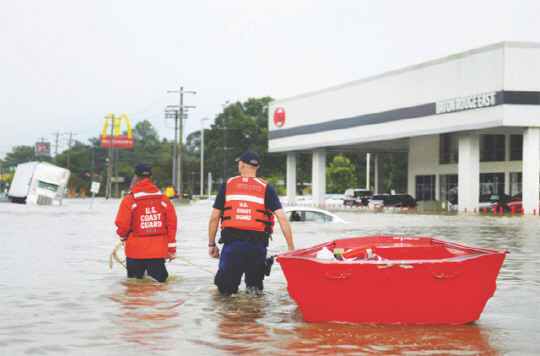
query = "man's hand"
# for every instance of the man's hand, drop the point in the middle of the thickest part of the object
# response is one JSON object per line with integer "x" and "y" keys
{"x": 213, "y": 251}
{"x": 171, "y": 256}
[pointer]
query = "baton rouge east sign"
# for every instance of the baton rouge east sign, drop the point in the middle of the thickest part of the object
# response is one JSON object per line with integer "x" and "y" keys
{"x": 465, "y": 103}
{"x": 118, "y": 141}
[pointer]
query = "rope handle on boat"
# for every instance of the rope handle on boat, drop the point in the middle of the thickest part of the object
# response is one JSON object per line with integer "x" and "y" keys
{"x": 339, "y": 276}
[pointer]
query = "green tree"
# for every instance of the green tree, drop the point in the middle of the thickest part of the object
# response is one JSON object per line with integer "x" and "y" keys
{"x": 241, "y": 127}
{"x": 22, "y": 154}
{"x": 395, "y": 166}
{"x": 340, "y": 175}
{"x": 145, "y": 134}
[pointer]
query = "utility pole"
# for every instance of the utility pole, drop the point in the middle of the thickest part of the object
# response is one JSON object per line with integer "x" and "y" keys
{"x": 56, "y": 147}
{"x": 180, "y": 134}
{"x": 225, "y": 140}
{"x": 202, "y": 155}
{"x": 173, "y": 114}
{"x": 69, "y": 150}
{"x": 92, "y": 172}
{"x": 116, "y": 173}
{"x": 224, "y": 145}
{"x": 109, "y": 167}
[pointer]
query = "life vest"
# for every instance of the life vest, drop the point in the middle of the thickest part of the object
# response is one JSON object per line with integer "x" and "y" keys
{"x": 367, "y": 251}
{"x": 148, "y": 217}
{"x": 244, "y": 205}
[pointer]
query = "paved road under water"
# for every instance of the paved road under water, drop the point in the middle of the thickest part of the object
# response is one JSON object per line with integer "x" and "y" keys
{"x": 59, "y": 296}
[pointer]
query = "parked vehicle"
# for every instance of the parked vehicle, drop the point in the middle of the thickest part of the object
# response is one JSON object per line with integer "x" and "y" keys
{"x": 396, "y": 200}
{"x": 333, "y": 199}
{"x": 4, "y": 198}
{"x": 357, "y": 197}
{"x": 487, "y": 200}
{"x": 307, "y": 214}
{"x": 39, "y": 183}
{"x": 391, "y": 279}
{"x": 515, "y": 202}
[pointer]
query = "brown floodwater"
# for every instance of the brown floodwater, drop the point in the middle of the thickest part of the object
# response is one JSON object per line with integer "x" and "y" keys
{"x": 59, "y": 296}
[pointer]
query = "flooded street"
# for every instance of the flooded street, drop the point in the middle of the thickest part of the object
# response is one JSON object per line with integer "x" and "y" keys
{"x": 59, "y": 296}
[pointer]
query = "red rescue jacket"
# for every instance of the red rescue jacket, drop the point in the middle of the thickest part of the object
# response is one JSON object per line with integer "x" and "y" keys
{"x": 244, "y": 205}
{"x": 139, "y": 224}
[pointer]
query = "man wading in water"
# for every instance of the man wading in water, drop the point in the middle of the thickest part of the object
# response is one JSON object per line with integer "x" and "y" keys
{"x": 147, "y": 222}
{"x": 246, "y": 205}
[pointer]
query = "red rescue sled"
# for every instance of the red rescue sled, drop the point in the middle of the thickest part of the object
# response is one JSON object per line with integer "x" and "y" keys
{"x": 392, "y": 279}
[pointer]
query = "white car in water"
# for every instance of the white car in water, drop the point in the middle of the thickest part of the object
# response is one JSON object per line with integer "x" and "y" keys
{"x": 307, "y": 214}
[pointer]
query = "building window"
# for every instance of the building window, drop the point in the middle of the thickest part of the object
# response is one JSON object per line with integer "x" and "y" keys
{"x": 515, "y": 183}
{"x": 449, "y": 148}
{"x": 425, "y": 187}
{"x": 516, "y": 147}
{"x": 492, "y": 148}
{"x": 491, "y": 183}
{"x": 449, "y": 188}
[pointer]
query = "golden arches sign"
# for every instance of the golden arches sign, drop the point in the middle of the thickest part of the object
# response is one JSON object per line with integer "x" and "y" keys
{"x": 118, "y": 141}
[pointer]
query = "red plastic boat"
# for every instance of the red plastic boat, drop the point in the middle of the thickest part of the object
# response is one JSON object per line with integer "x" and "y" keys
{"x": 392, "y": 279}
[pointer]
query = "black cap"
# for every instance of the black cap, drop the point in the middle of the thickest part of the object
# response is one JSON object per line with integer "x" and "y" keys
{"x": 143, "y": 170}
{"x": 250, "y": 157}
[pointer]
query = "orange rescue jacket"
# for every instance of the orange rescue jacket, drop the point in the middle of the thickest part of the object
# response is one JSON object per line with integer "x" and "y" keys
{"x": 244, "y": 205}
{"x": 142, "y": 241}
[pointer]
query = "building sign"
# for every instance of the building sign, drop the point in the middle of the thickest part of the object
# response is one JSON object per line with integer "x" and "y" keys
{"x": 466, "y": 103}
{"x": 279, "y": 117}
{"x": 118, "y": 141}
{"x": 43, "y": 149}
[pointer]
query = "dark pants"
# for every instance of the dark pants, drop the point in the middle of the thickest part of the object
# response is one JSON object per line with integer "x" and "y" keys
{"x": 236, "y": 259}
{"x": 155, "y": 267}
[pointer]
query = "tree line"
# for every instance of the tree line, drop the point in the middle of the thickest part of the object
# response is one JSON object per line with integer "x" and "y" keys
{"x": 239, "y": 127}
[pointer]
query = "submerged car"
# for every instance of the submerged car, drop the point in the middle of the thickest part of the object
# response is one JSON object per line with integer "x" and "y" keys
{"x": 307, "y": 214}
{"x": 396, "y": 200}
{"x": 357, "y": 197}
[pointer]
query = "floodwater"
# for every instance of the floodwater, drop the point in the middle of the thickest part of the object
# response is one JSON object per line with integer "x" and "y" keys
{"x": 58, "y": 295}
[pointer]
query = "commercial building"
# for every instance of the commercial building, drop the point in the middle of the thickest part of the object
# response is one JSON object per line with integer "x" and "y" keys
{"x": 470, "y": 123}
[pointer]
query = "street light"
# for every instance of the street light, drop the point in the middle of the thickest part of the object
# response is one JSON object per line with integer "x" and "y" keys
{"x": 202, "y": 155}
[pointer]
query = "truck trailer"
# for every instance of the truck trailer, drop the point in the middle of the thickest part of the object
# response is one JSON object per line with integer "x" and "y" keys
{"x": 39, "y": 183}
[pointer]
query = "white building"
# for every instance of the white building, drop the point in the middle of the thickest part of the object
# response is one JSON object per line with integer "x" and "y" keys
{"x": 470, "y": 120}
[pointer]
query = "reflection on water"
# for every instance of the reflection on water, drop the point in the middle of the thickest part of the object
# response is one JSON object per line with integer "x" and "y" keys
{"x": 146, "y": 313}
{"x": 324, "y": 339}
{"x": 238, "y": 329}
{"x": 58, "y": 295}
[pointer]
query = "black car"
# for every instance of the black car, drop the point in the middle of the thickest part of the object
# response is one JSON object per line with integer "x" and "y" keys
{"x": 357, "y": 197}
{"x": 396, "y": 200}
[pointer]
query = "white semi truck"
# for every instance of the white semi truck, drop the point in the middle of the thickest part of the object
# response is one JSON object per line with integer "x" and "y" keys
{"x": 39, "y": 183}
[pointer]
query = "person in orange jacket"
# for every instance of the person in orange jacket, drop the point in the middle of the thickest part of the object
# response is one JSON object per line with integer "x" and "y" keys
{"x": 147, "y": 222}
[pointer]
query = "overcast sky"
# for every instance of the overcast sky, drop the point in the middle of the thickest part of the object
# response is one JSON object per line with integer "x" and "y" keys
{"x": 65, "y": 65}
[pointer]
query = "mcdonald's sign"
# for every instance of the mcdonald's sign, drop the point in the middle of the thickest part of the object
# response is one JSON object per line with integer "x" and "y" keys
{"x": 118, "y": 141}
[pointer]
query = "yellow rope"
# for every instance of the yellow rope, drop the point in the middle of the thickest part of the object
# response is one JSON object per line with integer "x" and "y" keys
{"x": 115, "y": 256}
{"x": 191, "y": 263}
{"x": 123, "y": 262}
